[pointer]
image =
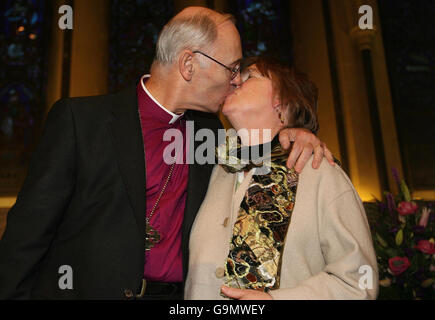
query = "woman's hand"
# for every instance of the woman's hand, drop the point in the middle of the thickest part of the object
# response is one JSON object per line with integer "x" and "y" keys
{"x": 305, "y": 142}
{"x": 247, "y": 294}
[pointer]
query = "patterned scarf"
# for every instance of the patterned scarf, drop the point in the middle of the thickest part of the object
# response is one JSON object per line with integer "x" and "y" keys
{"x": 235, "y": 158}
{"x": 257, "y": 243}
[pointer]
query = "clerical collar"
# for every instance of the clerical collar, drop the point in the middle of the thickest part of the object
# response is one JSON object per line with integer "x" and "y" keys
{"x": 174, "y": 116}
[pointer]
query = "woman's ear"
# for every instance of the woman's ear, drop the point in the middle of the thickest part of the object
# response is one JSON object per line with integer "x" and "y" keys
{"x": 276, "y": 102}
{"x": 280, "y": 113}
{"x": 185, "y": 65}
{"x": 277, "y": 106}
{"x": 277, "y": 109}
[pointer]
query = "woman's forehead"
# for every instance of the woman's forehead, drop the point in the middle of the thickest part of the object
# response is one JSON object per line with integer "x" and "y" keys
{"x": 251, "y": 69}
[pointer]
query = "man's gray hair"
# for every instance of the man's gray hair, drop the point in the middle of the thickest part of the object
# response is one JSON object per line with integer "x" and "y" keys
{"x": 195, "y": 33}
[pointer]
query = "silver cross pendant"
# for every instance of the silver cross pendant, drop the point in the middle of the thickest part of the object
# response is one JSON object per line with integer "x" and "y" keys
{"x": 152, "y": 237}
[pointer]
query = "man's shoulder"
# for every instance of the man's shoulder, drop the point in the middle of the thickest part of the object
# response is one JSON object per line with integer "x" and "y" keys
{"x": 98, "y": 103}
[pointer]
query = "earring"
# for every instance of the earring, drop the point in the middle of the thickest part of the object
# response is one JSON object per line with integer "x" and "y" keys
{"x": 281, "y": 116}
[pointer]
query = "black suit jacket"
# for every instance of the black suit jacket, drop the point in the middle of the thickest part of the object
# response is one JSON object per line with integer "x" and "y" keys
{"x": 83, "y": 203}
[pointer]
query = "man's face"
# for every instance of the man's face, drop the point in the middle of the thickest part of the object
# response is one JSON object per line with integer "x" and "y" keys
{"x": 213, "y": 82}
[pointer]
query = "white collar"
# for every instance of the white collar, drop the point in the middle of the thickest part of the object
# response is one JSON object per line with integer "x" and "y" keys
{"x": 174, "y": 116}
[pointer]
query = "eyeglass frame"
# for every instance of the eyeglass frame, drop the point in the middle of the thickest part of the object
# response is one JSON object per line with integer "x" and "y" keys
{"x": 234, "y": 71}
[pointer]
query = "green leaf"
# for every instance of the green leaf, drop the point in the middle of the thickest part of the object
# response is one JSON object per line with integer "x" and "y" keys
{"x": 428, "y": 282}
{"x": 405, "y": 191}
{"x": 399, "y": 237}
{"x": 381, "y": 241}
{"x": 392, "y": 253}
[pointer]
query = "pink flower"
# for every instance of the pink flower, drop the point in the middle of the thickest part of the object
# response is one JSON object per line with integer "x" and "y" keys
{"x": 398, "y": 265}
{"x": 424, "y": 217}
{"x": 407, "y": 207}
{"x": 425, "y": 246}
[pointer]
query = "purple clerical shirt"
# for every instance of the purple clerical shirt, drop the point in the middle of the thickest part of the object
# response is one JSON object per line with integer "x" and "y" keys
{"x": 164, "y": 261}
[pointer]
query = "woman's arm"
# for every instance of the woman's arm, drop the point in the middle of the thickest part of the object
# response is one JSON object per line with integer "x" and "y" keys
{"x": 305, "y": 144}
{"x": 351, "y": 269}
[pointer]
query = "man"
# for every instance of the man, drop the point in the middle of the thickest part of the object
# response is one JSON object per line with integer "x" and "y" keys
{"x": 101, "y": 215}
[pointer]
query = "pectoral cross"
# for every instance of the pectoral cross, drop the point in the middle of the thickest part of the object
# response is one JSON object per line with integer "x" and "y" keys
{"x": 152, "y": 237}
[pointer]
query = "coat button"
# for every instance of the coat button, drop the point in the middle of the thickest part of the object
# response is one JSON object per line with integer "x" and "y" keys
{"x": 128, "y": 293}
{"x": 225, "y": 224}
{"x": 220, "y": 273}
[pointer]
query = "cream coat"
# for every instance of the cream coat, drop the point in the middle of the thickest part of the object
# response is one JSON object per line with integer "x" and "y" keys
{"x": 328, "y": 252}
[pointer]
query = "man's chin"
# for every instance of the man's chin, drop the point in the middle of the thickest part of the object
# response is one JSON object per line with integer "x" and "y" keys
{"x": 210, "y": 109}
{"x": 215, "y": 109}
{"x": 205, "y": 108}
{"x": 226, "y": 108}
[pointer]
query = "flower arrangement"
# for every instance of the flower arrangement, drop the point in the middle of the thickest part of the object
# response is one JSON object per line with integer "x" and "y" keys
{"x": 403, "y": 236}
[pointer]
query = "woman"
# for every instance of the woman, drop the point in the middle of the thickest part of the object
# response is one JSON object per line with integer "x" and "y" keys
{"x": 278, "y": 234}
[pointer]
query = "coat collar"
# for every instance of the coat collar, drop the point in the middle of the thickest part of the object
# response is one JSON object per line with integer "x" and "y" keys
{"x": 127, "y": 139}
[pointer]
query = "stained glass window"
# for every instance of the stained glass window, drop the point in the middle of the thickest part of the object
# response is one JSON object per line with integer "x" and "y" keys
{"x": 264, "y": 27}
{"x": 134, "y": 29}
{"x": 410, "y": 51}
{"x": 22, "y": 74}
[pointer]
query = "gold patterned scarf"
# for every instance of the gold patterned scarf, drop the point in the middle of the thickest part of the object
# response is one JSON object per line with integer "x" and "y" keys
{"x": 257, "y": 242}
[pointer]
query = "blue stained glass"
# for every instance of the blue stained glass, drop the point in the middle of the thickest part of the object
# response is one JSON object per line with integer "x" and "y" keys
{"x": 134, "y": 29}
{"x": 21, "y": 77}
{"x": 264, "y": 27}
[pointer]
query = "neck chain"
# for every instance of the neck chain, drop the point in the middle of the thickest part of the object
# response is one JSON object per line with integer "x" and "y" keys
{"x": 152, "y": 236}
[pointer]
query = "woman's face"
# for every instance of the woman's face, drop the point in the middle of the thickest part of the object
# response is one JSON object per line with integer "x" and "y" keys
{"x": 253, "y": 105}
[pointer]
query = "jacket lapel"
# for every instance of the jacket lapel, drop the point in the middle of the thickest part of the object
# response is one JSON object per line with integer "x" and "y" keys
{"x": 128, "y": 142}
{"x": 197, "y": 185}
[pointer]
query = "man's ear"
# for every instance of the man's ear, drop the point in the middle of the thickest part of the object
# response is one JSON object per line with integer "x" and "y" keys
{"x": 185, "y": 65}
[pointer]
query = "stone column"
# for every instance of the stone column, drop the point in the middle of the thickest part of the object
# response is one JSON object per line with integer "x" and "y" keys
{"x": 311, "y": 56}
{"x": 90, "y": 48}
{"x": 363, "y": 169}
{"x": 369, "y": 43}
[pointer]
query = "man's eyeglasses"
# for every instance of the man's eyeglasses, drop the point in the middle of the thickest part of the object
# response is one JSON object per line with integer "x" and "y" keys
{"x": 234, "y": 71}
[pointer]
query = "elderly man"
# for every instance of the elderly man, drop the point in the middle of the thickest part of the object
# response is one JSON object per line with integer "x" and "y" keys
{"x": 101, "y": 215}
